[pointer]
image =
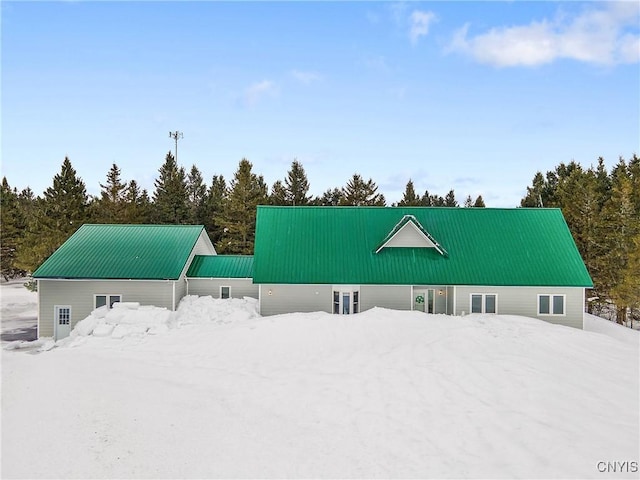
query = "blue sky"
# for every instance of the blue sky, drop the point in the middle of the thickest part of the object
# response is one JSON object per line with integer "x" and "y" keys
{"x": 474, "y": 96}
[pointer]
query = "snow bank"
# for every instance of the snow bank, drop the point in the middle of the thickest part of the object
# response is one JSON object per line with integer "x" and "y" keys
{"x": 130, "y": 319}
{"x": 593, "y": 323}
{"x": 198, "y": 310}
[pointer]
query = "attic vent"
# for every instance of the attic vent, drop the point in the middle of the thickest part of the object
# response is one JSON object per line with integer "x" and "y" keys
{"x": 408, "y": 232}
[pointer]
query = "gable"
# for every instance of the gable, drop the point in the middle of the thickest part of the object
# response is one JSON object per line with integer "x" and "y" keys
{"x": 409, "y": 233}
{"x": 337, "y": 245}
{"x": 140, "y": 252}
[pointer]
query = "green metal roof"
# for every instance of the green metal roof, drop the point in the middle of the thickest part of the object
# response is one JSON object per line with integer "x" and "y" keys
{"x": 123, "y": 252}
{"x": 221, "y": 266}
{"x": 337, "y": 245}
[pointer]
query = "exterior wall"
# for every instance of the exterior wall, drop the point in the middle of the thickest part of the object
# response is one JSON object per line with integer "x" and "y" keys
{"x": 524, "y": 301}
{"x": 286, "y": 298}
{"x": 240, "y": 287}
{"x": 450, "y": 297}
{"x": 181, "y": 291}
{"x": 397, "y": 297}
{"x": 440, "y": 305}
{"x": 79, "y": 294}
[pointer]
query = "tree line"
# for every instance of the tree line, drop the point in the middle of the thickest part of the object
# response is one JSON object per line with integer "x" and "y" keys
{"x": 34, "y": 226}
{"x": 602, "y": 210}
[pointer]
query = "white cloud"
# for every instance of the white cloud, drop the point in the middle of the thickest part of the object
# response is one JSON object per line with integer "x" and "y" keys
{"x": 255, "y": 92}
{"x": 420, "y": 22}
{"x": 595, "y": 36}
{"x": 306, "y": 77}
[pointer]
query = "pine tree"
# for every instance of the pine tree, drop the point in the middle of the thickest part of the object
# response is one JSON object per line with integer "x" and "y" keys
{"x": 111, "y": 206}
{"x": 170, "y": 198}
{"x": 537, "y": 194}
{"x": 59, "y": 214}
{"x": 619, "y": 226}
{"x": 358, "y": 193}
{"x": 296, "y": 185}
{"x": 330, "y": 198}
{"x": 196, "y": 196}
{"x": 278, "y": 194}
{"x": 479, "y": 203}
{"x": 468, "y": 202}
{"x": 238, "y": 218}
{"x": 409, "y": 199}
{"x": 450, "y": 199}
{"x": 10, "y": 233}
{"x": 215, "y": 201}
{"x": 137, "y": 208}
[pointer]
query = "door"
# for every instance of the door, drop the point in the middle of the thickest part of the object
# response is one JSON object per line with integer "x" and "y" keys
{"x": 346, "y": 302}
{"x": 62, "y": 318}
{"x": 424, "y": 300}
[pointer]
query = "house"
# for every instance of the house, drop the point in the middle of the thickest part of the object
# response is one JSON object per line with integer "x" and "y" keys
{"x": 341, "y": 260}
{"x": 103, "y": 264}
{"x": 455, "y": 261}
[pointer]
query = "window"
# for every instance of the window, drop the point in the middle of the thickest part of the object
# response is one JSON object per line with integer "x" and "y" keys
{"x": 101, "y": 300}
{"x": 551, "y": 304}
{"x": 484, "y": 303}
{"x": 64, "y": 315}
{"x": 346, "y": 300}
{"x": 225, "y": 292}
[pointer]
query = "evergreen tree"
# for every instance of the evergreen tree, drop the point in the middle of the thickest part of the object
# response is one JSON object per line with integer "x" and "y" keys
{"x": 238, "y": 218}
{"x": 479, "y": 203}
{"x": 278, "y": 194}
{"x": 619, "y": 226}
{"x": 410, "y": 199}
{"x": 215, "y": 201}
{"x": 170, "y": 203}
{"x": 537, "y": 193}
{"x": 10, "y": 234}
{"x": 358, "y": 193}
{"x": 59, "y": 214}
{"x": 296, "y": 185}
{"x": 330, "y": 198}
{"x": 468, "y": 202}
{"x": 111, "y": 206}
{"x": 196, "y": 195}
{"x": 429, "y": 200}
{"x": 450, "y": 199}
{"x": 137, "y": 208}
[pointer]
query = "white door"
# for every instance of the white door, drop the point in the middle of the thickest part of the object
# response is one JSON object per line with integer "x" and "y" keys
{"x": 424, "y": 300}
{"x": 62, "y": 320}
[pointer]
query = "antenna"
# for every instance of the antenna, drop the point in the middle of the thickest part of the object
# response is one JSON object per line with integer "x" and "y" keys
{"x": 176, "y": 136}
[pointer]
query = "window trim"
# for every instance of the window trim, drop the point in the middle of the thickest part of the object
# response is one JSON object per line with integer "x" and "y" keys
{"x": 220, "y": 291}
{"x": 551, "y": 295}
{"x": 483, "y": 302}
{"x": 108, "y": 299}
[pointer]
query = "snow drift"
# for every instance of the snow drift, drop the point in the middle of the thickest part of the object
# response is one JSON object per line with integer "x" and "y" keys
{"x": 224, "y": 393}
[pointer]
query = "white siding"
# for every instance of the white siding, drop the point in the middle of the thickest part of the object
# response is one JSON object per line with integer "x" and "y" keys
{"x": 79, "y": 294}
{"x": 240, "y": 287}
{"x": 409, "y": 236}
{"x": 524, "y": 301}
{"x": 295, "y": 298}
{"x": 397, "y": 297}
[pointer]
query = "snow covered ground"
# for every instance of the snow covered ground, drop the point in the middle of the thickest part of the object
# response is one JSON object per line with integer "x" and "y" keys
{"x": 215, "y": 391}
